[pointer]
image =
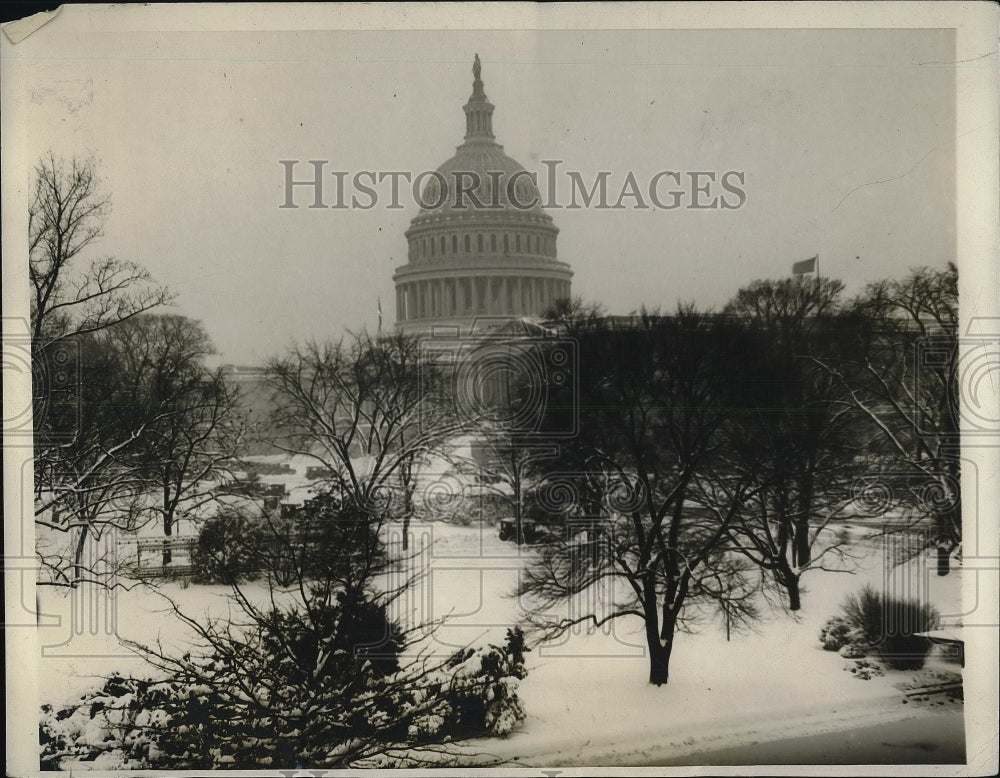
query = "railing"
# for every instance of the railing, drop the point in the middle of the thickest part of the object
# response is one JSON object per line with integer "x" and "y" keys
{"x": 149, "y": 554}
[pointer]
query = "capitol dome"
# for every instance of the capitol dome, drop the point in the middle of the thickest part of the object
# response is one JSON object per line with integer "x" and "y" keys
{"x": 481, "y": 247}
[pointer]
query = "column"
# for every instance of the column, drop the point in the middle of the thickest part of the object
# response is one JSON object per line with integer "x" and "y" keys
{"x": 504, "y": 303}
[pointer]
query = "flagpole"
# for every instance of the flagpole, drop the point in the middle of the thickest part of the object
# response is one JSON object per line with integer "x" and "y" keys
{"x": 817, "y": 266}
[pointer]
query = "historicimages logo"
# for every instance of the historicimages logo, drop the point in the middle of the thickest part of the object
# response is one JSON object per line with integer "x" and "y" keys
{"x": 315, "y": 184}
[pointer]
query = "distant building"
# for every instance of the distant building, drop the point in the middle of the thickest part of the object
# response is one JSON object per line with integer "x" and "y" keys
{"x": 481, "y": 246}
{"x": 257, "y": 401}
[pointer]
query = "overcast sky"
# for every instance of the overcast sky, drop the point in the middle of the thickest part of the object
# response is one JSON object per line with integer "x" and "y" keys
{"x": 846, "y": 139}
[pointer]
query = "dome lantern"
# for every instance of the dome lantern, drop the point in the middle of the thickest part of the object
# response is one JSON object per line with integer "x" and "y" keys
{"x": 479, "y": 110}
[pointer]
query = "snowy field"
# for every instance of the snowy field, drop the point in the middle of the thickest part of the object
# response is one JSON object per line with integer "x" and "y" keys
{"x": 586, "y": 695}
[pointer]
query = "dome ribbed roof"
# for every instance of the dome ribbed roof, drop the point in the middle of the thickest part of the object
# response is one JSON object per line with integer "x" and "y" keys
{"x": 480, "y": 175}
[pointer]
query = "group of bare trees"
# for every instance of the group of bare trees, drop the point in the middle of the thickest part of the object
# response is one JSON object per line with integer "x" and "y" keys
{"x": 716, "y": 449}
{"x": 139, "y": 415}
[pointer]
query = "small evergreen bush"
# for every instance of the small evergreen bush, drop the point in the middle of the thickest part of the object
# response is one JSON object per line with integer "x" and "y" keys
{"x": 229, "y": 550}
{"x": 890, "y": 625}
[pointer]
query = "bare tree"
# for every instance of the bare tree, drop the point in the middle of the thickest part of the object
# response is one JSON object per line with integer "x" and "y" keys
{"x": 189, "y": 447}
{"x": 501, "y": 466}
{"x": 653, "y": 397}
{"x": 93, "y": 484}
{"x": 66, "y": 217}
{"x": 793, "y": 438}
{"x": 901, "y": 376}
{"x": 572, "y": 312}
{"x": 364, "y": 408}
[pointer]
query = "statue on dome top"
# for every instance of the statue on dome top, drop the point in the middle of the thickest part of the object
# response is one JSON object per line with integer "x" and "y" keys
{"x": 477, "y": 68}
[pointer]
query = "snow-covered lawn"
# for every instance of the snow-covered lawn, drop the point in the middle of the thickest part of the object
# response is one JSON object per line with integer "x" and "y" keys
{"x": 587, "y": 698}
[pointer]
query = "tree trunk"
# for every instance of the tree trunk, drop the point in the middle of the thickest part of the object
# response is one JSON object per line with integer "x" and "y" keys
{"x": 78, "y": 555}
{"x": 788, "y": 579}
{"x": 660, "y": 645}
{"x": 168, "y": 531}
{"x": 949, "y": 525}
{"x": 406, "y": 475}
{"x": 794, "y": 593}
{"x": 802, "y": 552}
{"x": 659, "y": 662}
{"x": 168, "y": 523}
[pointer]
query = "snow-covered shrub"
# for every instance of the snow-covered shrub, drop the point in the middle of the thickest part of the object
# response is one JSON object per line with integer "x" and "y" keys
{"x": 111, "y": 723}
{"x": 836, "y": 633}
{"x": 487, "y": 700}
{"x": 324, "y": 541}
{"x": 890, "y": 625}
{"x": 853, "y": 651}
{"x": 336, "y": 638}
{"x": 229, "y": 549}
{"x": 323, "y": 691}
{"x": 477, "y": 691}
{"x": 865, "y": 669}
{"x": 863, "y": 612}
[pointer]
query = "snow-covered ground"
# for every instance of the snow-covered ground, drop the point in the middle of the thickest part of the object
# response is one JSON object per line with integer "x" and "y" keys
{"x": 587, "y": 698}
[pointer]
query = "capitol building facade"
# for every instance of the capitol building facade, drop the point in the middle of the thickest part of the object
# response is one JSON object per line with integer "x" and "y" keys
{"x": 481, "y": 247}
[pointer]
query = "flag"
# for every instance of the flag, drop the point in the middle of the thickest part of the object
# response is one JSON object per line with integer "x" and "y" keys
{"x": 805, "y": 266}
